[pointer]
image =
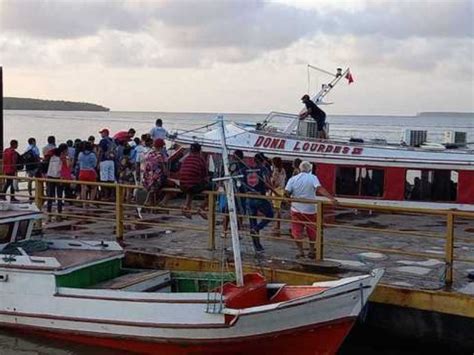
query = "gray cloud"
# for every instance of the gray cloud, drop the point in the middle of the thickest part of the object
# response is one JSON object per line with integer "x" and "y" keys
{"x": 70, "y": 19}
{"x": 410, "y": 35}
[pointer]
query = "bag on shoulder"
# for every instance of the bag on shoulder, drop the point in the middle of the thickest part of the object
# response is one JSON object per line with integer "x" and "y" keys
{"x": 30, "y": 160}
{"x": 20, "y": 164}
{"x": 44, "y": 165}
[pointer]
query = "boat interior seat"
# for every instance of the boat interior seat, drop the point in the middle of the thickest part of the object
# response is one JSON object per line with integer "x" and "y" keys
{"x": 287, "y": 293}
{"x": 252, "y": 294}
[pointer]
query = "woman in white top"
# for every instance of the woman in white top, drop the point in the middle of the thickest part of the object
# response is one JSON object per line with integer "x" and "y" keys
{"x": 58, "y": 163}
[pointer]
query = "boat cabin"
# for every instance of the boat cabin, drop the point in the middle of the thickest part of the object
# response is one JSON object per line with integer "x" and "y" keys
{"x": 353, "y": 170}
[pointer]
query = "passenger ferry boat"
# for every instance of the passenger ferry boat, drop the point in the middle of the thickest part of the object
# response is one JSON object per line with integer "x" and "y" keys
{"x": 429, "y": 175}
{"x": 80, "y": 291}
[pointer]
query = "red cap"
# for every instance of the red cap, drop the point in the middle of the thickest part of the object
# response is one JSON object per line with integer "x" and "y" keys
{"x": 104, "y": 130}
{"x": 159, "y": 143}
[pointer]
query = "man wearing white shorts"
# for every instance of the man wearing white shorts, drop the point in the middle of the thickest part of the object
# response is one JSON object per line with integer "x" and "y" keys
{"x": 107, "y": 171}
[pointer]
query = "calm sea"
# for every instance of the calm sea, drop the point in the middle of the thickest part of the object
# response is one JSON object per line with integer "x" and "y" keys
{"x": 21, "y": 125}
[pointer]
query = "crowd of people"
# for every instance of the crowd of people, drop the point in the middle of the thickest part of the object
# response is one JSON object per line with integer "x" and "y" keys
{"x": 269, "y": 178}
{"x": 143, "y": 163}
{"x": 121, "y": 158}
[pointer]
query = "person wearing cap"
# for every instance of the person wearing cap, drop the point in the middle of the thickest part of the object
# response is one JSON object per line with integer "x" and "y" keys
{"x": 305, "y": 185}
{"x": 107, "y": 155}
{"x": 316, "y": 113}
{"x": 193, "y": 179}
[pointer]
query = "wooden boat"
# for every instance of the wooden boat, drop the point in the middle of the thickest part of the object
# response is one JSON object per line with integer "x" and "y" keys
{"x": 428, "y": 175}
{"x": 79, "y": 291}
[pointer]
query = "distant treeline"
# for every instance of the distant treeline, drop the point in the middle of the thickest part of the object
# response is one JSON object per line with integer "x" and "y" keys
{"x": 17, "y": 103}
{"x": 447, "y": 114}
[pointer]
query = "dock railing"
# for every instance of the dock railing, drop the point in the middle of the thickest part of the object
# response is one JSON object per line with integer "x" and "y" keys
{"x": 119, "y": 211}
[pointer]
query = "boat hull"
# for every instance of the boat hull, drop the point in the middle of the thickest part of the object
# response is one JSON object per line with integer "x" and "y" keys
{"x": 323, "y": 338}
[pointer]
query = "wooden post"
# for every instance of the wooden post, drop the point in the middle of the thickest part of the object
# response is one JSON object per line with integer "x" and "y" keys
{"x": 319, "y": 232}
{"x": 211, "y": 213}
{"x": 119, "y": 194}
{"x": 449, "y": 248}
{"x": 39, "y": 193}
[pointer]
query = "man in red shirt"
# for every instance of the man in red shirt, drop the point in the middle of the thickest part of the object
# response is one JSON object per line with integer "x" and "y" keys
{"x": 124, "y": 136}
{"x": 10, "y": 161}
{"x": 193, "y": 178}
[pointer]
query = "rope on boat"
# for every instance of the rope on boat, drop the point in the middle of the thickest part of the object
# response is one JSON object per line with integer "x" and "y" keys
{"x": 195, "y": 129}
{"x": 29, "y": 246}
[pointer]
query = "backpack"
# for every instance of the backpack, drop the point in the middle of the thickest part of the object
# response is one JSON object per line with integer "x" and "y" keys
{"x": 111, "y": 151}
{"x": 44, "y": 165}
{"x": 20, "y": 164}
{"x": 30, "y": 160}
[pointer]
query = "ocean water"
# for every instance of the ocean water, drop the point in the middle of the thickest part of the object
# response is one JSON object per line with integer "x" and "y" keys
{"x": 21, "y": 125}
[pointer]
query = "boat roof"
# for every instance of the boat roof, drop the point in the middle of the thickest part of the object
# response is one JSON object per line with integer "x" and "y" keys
{"x": 9, "y": 215}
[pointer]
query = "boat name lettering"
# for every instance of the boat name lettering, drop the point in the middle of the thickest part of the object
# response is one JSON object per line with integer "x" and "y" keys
{"x": 267, "y": 142}
{"x": 278, "y": 143}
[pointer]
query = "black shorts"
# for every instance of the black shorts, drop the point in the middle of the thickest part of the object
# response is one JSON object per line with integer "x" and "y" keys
{"x": 195, "y": 189}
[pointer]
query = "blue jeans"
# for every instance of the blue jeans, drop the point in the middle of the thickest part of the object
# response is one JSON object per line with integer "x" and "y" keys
{"x": 259, "y": 205}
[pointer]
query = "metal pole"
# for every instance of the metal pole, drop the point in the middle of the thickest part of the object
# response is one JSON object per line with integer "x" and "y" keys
{"x": 211, "y": 242}
{"x": 229, "y": 188}
{"x": 1, "y": 112}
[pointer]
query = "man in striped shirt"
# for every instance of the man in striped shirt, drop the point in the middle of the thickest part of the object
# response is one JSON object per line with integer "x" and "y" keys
{"x": 193, "y": 179}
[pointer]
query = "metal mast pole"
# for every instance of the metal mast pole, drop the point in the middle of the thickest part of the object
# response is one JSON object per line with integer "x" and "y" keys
{"x": 229, "y": 188}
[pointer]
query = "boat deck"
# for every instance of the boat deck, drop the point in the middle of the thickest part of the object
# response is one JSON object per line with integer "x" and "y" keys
{"x": 69, "y": 259}
{"x": 355, "y": 251}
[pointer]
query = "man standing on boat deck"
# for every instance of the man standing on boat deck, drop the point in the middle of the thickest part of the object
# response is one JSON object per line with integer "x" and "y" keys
{"x": 316, "y": 113}
{"x": 158, "y": 132}
{"x": 305, "y": 185}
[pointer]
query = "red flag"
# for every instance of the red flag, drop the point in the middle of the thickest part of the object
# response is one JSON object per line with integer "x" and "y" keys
{"x": 349, "y": 77}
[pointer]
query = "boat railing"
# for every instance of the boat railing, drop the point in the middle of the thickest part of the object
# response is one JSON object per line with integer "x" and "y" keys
{"x": 345, "y": 230}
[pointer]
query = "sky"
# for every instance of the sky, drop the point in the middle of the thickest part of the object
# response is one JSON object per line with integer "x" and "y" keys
{"x": 246, "y": 56}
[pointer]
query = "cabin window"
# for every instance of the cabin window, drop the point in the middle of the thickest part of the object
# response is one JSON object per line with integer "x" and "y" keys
{"x": 355, "y": 181}
{"x": 6, "y": 232}
{"x": 22, "y": 230}
{"x": 431, "y": 185}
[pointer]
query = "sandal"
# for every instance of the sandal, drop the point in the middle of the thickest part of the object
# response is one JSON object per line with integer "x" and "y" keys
{"x": 186, "y": 213}
{"x": 202, "y": 213}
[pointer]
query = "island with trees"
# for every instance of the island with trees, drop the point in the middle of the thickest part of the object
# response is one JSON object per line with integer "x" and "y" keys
{"x": 17, "y": 103}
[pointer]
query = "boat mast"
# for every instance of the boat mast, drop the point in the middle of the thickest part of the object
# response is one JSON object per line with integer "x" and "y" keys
{"x": 229, "y": 188}
{"x": 326, "y": 88}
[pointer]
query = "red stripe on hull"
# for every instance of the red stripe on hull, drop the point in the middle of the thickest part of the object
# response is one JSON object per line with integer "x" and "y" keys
{"x": 321, "y": 339}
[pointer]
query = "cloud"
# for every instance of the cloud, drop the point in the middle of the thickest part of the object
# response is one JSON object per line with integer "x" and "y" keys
{"x": 188, "y": 33}
{"x": 406, "y": 19}
{"x": 70, "y": 19}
